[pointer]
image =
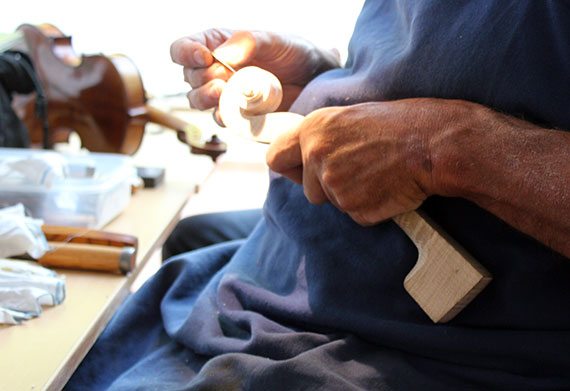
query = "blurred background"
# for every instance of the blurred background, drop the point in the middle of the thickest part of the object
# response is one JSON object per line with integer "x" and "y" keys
{"x": 144, "y": 30}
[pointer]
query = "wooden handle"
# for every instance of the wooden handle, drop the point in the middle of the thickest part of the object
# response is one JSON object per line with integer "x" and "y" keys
{"x": 55, "y": 233}
{"x": 90, "y": 257}
{"x": 194, "y": 134}
{"x": 445, "y": 278}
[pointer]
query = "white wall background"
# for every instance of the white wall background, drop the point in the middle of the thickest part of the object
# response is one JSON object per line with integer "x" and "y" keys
{"x": 143, "y": 30}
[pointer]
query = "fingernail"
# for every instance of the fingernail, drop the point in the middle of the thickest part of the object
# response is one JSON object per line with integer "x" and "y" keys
{"x": 199, "y": 58}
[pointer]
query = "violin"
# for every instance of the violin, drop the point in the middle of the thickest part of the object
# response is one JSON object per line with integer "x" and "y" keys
{"x": 100, "y": 97}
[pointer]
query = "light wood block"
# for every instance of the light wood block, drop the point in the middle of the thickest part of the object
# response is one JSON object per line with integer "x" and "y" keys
{"x": 445, "y": 278}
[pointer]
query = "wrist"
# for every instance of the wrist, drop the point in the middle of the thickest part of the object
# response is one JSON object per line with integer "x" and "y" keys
{"x": 324, "y": 60}
{"x": 453, "y": 171}
{"x": 294, "y": 60}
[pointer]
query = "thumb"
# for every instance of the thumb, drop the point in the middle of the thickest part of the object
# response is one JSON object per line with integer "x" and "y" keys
{"x": 284, "y": 153}
{"x": 239, "y": 50}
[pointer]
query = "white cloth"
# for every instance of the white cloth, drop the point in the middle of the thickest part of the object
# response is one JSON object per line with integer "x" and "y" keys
{"x": 12, "y": 317}
{"x": 20, "y": 234}
{"x": 25, "y": 288}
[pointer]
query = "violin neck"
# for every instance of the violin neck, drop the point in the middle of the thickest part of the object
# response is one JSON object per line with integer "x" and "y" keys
{"x": 167, "y": 120}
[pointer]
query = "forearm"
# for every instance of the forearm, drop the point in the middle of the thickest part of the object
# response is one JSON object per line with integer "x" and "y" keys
{"x": 516, "y": 170}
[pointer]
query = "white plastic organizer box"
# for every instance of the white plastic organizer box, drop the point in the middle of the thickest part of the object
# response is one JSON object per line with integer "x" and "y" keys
{"x": 84, "y": 190}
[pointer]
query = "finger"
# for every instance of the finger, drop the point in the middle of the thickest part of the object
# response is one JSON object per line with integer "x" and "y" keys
{"x": 312, "y": 186}
{"x": 376, "y": 213}
{"x": 238, "y": 50}
{"x": 218, "y": 118}
{"x": 284, "y": 153}
{"x": 190, "y": 53}
{"x": 207, "y": 96}
{"x": 194, "y": 50}
{"x": 197, "y": 77}
{"x": 295, "y": 174}
{"x": 332, "y": 198}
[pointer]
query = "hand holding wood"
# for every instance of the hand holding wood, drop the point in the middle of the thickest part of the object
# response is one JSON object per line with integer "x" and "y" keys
{"x": 445, "y": 279}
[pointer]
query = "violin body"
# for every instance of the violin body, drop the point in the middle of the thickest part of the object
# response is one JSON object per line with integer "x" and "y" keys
{"x": 101, "y": 98}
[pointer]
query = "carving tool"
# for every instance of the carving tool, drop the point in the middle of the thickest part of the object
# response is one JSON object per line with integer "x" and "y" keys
{"x": 82, "y": 248}
{"x": 89, "y": 257}
{"x": 225, "y": 64}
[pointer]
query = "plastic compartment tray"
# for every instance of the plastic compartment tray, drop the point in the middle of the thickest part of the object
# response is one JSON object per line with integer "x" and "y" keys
{"x": 97, "y": 190}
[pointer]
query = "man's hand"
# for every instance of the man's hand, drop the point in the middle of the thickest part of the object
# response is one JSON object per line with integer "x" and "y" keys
{"x": 370, "y": 160}
{"x": 293, "y": 60}
{"x": 377, "y": 160}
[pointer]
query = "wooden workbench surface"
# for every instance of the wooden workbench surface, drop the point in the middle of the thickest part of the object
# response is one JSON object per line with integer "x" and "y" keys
{"x": 43, "y": 353}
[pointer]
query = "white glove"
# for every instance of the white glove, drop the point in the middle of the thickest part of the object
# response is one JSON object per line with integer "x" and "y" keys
{"x": 24, "y": 288}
